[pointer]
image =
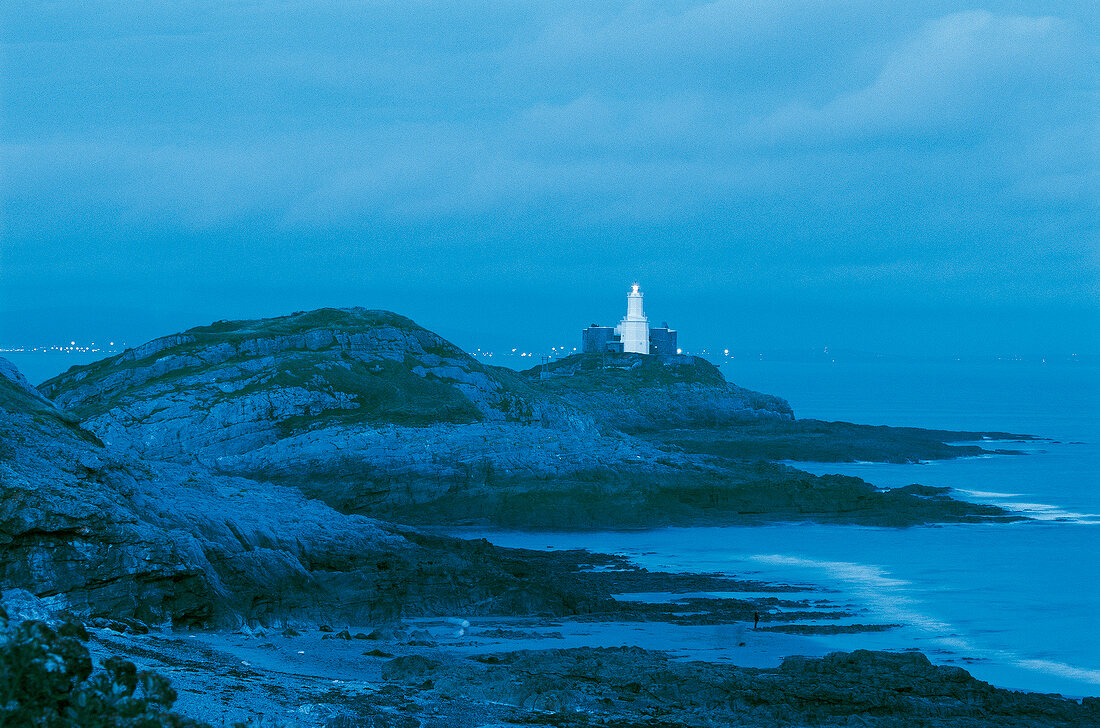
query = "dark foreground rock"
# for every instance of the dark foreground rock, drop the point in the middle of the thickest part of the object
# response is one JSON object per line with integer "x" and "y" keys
{"x": 108, "y": 535}
{"x": 378, "y": 416}
{"x": 47, "y": 679}
{"x": 634, "y": 687}
{"x": 304, "y": 681}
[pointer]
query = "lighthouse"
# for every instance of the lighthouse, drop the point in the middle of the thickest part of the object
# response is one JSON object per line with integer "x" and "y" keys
{"x": 633, "y": 330}
{"x": 633, "y": 335}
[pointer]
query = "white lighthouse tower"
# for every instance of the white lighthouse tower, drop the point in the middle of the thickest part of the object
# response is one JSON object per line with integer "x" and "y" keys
{"x": 633, "y": 330}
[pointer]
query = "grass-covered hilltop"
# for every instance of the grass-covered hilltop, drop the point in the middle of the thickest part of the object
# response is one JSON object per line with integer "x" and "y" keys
{"x": 375, "y": 415}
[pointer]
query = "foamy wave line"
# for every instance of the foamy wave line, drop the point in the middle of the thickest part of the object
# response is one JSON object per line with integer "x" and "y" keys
{"x": 1061, "y": 669}
{"x": 1038, "y": 511}
{"x": 989, "y": 494}
{"x": 869, "y": 581}
{"x": 1046, "y": 512}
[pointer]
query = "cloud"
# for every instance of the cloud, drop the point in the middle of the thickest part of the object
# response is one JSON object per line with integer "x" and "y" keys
{"x": 963, "y": 76}
{"x": 738, "y": 140}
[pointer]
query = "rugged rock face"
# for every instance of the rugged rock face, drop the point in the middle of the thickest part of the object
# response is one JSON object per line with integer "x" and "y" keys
{"x": 248, "y": 384}
{"x": 68, "y": 526}
{"x": 375, "y": 415}
{"x": 102, "y": 533}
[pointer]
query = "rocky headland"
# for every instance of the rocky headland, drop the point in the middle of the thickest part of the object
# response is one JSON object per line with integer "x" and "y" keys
{"x": 210, "y": 504}
{"x": 375, "y": 415}
{"x": 685, "y": 401}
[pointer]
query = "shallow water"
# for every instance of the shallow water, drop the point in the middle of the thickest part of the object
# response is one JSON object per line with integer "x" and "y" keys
{"x": 1015, "y": 604}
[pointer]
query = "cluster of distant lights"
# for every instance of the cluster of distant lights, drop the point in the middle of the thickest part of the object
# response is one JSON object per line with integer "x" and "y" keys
{"x": 564, "y": 351}
{"x": 555, "y": 351}
{"x": 72, "y": 348}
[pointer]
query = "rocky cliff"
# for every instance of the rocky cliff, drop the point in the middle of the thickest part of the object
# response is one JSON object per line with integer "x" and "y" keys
{"x": 376, "y": 415}
{"x": 104, "y": 533}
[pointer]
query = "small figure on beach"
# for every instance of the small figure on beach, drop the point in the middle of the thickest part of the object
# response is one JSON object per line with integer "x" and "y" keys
{"x": 755, "y": 620}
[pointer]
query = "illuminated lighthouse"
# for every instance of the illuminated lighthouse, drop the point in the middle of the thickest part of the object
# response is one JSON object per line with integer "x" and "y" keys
{"x": 633, "y": 330}
{"x": 633, "y": 335}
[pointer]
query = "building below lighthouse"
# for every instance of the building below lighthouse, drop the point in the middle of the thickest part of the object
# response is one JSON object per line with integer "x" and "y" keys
{"x": 632, "y": 335}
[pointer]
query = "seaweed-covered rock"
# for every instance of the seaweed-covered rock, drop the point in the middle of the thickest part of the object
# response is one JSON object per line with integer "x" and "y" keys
{"x": 47, "y": 679}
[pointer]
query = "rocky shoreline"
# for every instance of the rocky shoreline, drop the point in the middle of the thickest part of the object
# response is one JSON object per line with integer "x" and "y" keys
{"x": 457, "y": 670}
{"x": 435, "y": 677}
{"x": 241, "y": 508}
{"x": 571, "y": 672}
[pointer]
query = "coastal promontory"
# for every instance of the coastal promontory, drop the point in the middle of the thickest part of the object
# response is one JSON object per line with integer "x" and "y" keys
{"x": 378, "y": 416}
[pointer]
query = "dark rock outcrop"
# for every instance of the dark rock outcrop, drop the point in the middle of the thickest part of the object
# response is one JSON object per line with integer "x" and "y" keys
{"x": 818, "y": 441}
{"x": 629, "y": 686}
{"x": 684, "y": 401}
{"x": 104, "y": 534}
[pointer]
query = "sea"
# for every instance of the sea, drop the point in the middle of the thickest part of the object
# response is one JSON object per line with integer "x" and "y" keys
{"x": 1017, "y": 605}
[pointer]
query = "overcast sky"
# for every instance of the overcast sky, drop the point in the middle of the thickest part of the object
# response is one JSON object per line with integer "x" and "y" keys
{"x": 897, "y": 177}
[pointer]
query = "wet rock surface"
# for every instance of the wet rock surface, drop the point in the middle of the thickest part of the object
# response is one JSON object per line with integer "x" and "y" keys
{"x": 817, "y": 441}
{"x": 306, "y": 683}
{"x": 634, "y": 687}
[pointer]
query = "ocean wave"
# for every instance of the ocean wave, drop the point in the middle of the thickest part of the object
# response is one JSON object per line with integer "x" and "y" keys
{"x": 1037, "y": 511}
{"x": 988, "y": 494}
{"x": 874, "y": 586}
{"x": 884, "y": 595}
{"x": 1047, "y": 512}
{"x": 1060, "y": 669}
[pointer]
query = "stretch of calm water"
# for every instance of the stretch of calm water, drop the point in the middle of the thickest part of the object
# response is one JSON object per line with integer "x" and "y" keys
{"x": 1018, "y": 605}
